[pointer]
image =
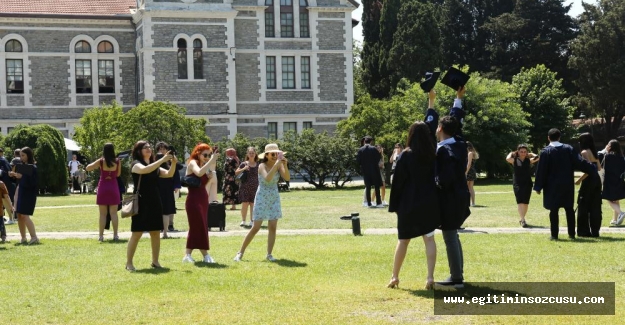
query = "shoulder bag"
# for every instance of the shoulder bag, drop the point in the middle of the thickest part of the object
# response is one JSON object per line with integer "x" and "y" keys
{"x": 190, "y": 181}
{"x": 242, "y": 176}
{"x": 130, "y": 204}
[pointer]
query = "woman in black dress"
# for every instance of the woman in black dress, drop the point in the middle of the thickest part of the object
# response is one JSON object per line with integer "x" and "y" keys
{"x": 415, "y": 200}
{"x": 589, "y": 195}
{"x": 145, "y": 174}
{"x": 247, "y": 189}
{"x": 26, "y": 198}
{"x": 613, "y": 185}
{"x": 522, "y": 184}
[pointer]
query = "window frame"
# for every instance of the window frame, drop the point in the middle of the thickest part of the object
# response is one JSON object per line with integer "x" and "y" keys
{"x": 14, "y": 89}
{"x": 11, "y": 42}
{"x": 198, "y": 60}
{"x": 304, "y": 28}
{"x": 181, "y": 60}
{"x": 292, "y": 126}
{"x": 270, "y": 126}
{"x": 288, "y": 75}
{"x": 305, "y": 75}
{"x": 105, "y": 49}
{"x": 307, "y": 125}
{"x": 109, "y": 79}
{"x": 86, "y": 78}
{"x": 272, "y": 83}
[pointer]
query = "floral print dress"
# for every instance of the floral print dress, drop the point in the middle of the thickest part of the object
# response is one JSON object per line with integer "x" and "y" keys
{"x": 230, "y": 187}
{"x": 267, "y": 202}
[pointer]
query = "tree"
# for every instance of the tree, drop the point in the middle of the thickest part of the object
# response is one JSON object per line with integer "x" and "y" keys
{"x": 599, "y": 58}
{"x": 371, "y": 75}
{"x": 542, "y": 96}
{"x": 98, "y": 126}
{"x": 49, "y": 153}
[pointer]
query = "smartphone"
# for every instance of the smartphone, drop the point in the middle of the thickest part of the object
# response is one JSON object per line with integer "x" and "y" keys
{"x": 280, "y": 155}
{"x": 172, "y": 150}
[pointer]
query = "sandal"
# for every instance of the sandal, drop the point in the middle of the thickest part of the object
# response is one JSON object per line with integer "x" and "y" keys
{"x": 523, "y": 223}
{"x": 429, "y": 284}
{"x": 394, "y": 283}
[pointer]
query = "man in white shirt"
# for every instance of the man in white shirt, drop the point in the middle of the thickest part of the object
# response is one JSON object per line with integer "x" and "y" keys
{"x": 72, "y": 166}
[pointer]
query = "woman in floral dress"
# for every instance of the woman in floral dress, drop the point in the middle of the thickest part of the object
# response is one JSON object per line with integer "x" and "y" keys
{"x": 230, "y": 187}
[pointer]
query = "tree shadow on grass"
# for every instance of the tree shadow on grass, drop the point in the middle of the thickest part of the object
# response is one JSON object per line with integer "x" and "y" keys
{"x": 479, "y": 206}
{"x": 210, "y": 265}
{"x": 609, "y": 239}
{"x": 289, "y": 263}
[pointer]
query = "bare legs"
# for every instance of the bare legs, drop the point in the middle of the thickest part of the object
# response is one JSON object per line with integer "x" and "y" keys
{"x": 400, "y": 255}
{"x": 522, "y": 208}
{"x": 24, "y": 222}
{"x": 155, "y": 241}
{"x": 472, "y": 192}
{"x": 382, "y": 193}
{"x": 104, "y": 210}
{"x": 166, "y": 222}
{"x": 271, "y": 238}
{"x": 244, "y": 206}
{"x": 616, "y": 206}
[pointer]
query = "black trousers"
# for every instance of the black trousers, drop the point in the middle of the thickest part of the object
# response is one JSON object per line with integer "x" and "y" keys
{"x": 368, "y": 192}
{"x": 554, "y": 220}
{"x": 589, "y": 209}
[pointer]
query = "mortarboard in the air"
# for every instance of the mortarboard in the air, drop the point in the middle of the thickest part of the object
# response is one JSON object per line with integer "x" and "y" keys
{"x": 455, "y": 78}
{"x": 430, "y": 80}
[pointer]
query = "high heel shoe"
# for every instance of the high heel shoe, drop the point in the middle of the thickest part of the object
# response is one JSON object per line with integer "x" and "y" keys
{"x": 33, "y": 241}
{"x": 130, "y": 268}
{"x": 394, "y": 283}
{"x": 154, "y": 266}
{"x": 429, "y": 284}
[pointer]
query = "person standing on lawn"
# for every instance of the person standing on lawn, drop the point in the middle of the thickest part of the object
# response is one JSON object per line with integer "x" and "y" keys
{"x": 368, "y": 158}
{"x": 249, "y": 186}
{"x": 589, "y": 195}
{"x": 267, "y": 203}
{"x": 108, "y": 196}
{"x": 414, "y": 198}
{"x": 166, "y": 189}
{"x": 554, "y": 174}
{"x": 26, "y": 197}
{"x": 230, "y": 188}
{"x": 5, "y": 168}
{"x": 613, "y": 185}
{"x": 521, "y": 161}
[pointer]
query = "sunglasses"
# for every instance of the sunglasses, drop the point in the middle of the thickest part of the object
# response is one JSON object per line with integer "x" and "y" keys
{"x": 206, "y": 155}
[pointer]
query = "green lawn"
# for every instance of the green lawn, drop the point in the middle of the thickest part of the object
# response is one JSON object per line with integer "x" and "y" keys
{"x": 320, "y": 279}
{"x": 308, "y": 209}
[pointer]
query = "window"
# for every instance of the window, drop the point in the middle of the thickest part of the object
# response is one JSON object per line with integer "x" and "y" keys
{"x": 288, "y": 72}
{"x": 286, "y": 18}
{"x": 272, "y": 130}
{"x": 289, "y": 126}
{"x": 106, "y": 76}
{"x": 83, "y": 76}
{"x": 105, "y": 47}
{"x": 13, "y": 46}
{"x": 82, "y": 47}
{"x": 271, "y": 72}
{"x": 197, "y": 60}
{"x": 15, "y": 76}
{"x": 304, "y": 30}
{"x": 305, "y": 65}
{"x": 182, "y": 59}
{"x": 270, "y": 30}
{"x": 307, "y": 125}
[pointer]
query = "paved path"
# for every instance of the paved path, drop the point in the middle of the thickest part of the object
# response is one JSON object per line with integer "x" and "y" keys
{"x": 13, "y": 236}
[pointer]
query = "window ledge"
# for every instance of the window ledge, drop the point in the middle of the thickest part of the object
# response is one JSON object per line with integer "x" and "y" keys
{"x": 190, "y": 80}
{"x": 289, "y": 90}
{"x": 84, "y": 94}
{"x": 288, "y": 39}
{"x": 14, "y": 94}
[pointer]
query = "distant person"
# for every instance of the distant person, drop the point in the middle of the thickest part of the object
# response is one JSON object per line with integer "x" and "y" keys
{"x": 166, "y": 189}
{"x": 108, "y": 196}
{"x": 368, "y": 157}
{"x": 211, "y": 186}
{"x": 248, "y": 187}
{"x": 72, "y": 167}
{"x": 613, "y": 184}
{"x": 554, "y": 175}
{"x": 393, "y": 159}
{"x": 589, "y": 195}
{"x": 382, "y": 175}
{"x": 5, "y": 203}
{"x": 521, "y": 161}
{"x": 26, "y": 197}
{"x": 267, "y": 204}
{"x": 230, "y": 188}
{"x": 470, "y": 172}
{"x": 5, "y": 169}
{"x": 414, "y": 198}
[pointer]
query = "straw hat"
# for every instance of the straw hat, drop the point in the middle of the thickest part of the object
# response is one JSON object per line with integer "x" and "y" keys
{"x": 272, "y": 147}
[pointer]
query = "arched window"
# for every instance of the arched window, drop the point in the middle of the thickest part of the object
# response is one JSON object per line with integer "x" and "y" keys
{"x": 197, "y": 59}
{"x": 182, "y": 59}
{"x": 82, "y": 47}
{"x": 286, "y": 18}
{"x": 105, "y": 47}
{"x": 270, "y": 30}
{"x": 13, "y": 46}
{"x": 304, "y": 30}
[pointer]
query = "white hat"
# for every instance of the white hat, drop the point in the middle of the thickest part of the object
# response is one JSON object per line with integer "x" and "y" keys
{"x": 272, "y": 147}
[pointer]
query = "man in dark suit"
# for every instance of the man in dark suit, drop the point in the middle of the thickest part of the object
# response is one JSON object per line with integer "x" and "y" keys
{"x": 368, "y": 158}
{"x": 554, "y": 174}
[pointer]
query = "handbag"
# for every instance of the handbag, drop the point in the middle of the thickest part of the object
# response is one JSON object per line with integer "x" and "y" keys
{"x": 242, "y": 176}
{"x": 190, "y": 181}
{"x": 130, "y": 204}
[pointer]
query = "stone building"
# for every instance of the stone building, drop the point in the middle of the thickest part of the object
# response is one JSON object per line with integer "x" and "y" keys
{"x": 258, "y": 67}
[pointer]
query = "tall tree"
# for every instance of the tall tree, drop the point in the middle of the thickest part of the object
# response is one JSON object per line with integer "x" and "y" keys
{"x": 598, "y": 55}
{"x": 388, "y": 26}
{"x": 371, "y": 77}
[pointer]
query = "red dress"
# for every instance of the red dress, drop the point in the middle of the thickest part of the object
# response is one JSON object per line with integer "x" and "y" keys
{"x": 197, "y": 212}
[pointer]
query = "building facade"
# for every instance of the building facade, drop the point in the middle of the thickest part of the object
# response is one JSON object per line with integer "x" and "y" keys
{"x": 257, "y": 67}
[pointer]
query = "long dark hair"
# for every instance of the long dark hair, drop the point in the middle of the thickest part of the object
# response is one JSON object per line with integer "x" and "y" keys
{"x": 586, "y": 142}
{"x": 136, "y": 152}
{"x": 109, "y": 154}
{"x": 615, "y": 148}
{"x": 30, "y": 155}
{"x": 421, "y": 142}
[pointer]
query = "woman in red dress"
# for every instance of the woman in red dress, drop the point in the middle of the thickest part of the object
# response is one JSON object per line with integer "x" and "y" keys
{"x": 197, "y": 203}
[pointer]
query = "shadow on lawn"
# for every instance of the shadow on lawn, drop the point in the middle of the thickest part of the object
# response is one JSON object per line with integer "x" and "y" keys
{"x": 153, "y": 270}
{"x": 210, "y": 265}
{"x": 289, "y": 263}
{"x": 469, "y": 231}
{"x": 470, "y": 290}
{"x": 119, "y": 241}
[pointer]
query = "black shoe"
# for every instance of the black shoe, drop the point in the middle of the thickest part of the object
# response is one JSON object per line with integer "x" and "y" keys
{"x": 451, "y": 283}
{"x": 171, "y": 228}
{"x": 553, "y": 238}
{"x": 571, "y": 237}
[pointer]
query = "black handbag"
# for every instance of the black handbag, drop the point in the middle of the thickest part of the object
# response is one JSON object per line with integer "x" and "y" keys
{"x": 242, "y": 176}
{"x": 190, "y": 181}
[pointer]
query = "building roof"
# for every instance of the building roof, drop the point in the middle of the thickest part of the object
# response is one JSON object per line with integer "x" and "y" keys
{"x": 355, "y": 3}
{"x": 68, "y": 7}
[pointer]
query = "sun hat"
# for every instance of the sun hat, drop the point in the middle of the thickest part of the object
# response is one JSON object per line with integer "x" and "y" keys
{"x": 272, "y": 147}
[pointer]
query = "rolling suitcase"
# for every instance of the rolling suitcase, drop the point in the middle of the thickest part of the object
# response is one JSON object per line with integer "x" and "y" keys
{"x": 216, "y": 216}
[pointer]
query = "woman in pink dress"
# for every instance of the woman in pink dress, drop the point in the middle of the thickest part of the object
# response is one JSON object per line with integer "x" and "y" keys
{"x": 108, "y": 196}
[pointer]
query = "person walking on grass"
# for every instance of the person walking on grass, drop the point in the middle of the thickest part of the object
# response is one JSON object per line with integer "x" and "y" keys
{"x": 145, "y": 173}
{"x": 249, "y": 186}
{"x": 589, "y": 195}
{"x": 108, "y": 196}
{"x": 470, "y": 172}
{"x": 521, "y": 161}
{"x": 230, "y": 187}
{"x": 382, "y": 175}
{"x": 414, "y": 198}
{"x": 613, "y": 184}
{"x": 267, "y": 203}
{"x": 368, "y": 157}
{"x": 26, "y": 196}
{"x": 197, "y": 205}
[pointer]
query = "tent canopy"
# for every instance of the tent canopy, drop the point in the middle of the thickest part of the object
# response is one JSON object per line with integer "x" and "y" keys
{"x": 71, "y": 145}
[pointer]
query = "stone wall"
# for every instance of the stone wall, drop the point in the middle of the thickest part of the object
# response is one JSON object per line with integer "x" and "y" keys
{"x": 49, "y": 80}
{"x": 164, "y": 34}
{"x": 306, "y": 96}
{"x": 274, "y": 45}
{"x": 128, "y": 81}
{"x": 246, "y": 33}
{"x": 332, "y": 78}
{"x": 248, "y": 82}
{"x": 291, "y": 108}
{"x": 16, "y": 100}
{"x": 331, "y": 35}
{"x": 253, "y": 132}
{"x": 41, "y": 41}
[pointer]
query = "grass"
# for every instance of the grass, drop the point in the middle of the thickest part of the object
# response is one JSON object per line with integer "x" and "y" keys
{"x": 308, "y": 209}
{"x": 318, "y": 279}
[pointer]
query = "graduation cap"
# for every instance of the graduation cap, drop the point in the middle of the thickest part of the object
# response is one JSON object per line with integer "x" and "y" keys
{"x": 455, "y": 78}
{"x": 430, "y": 80}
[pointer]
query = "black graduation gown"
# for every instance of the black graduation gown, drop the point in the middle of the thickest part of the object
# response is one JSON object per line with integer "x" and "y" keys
{"x": 368, "y": 158}
{"x": 414, "y": 197}
{"x": 554, "y": 175}
{"x": 613, "y": 185}
{"x": 453, "y": 192}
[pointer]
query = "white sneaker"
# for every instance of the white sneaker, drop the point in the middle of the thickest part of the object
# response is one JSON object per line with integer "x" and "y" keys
{"x": 208, "y": 259}
{"x": 188, "y": 259}
{"x": 364, "y": 204}
{"x": 251, "y": 224}
{"x": 238, "y": 257}
{"x": 270, "y": 258}
{"x": 620, "y": 218}
{"x": 9, "y": 222}
{"x": 242, "y": 224}
{"x": 384, "y": 203}
{"x": 380, "y": 205}
{"x": 613, "y": 223}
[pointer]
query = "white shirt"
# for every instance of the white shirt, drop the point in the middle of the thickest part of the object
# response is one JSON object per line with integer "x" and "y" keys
{"x": 73, "y": 165}
{"x": 444, "y": 142}
{"x": 458, "y": 103}
{"x": 555, "y": 144}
